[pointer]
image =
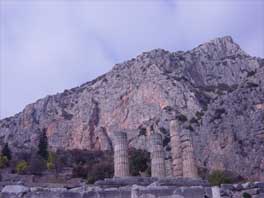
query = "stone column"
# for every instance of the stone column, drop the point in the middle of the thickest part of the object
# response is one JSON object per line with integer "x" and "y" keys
{"x": 176, "y": 150}
{"x": 189, "y": 166}
{"x": 121, "y": 164}
{"x": 157, "y": 155}
{"x": 168, "y": 167}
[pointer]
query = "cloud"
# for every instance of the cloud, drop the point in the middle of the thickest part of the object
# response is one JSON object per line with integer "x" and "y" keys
{"x": 48, "y": 46}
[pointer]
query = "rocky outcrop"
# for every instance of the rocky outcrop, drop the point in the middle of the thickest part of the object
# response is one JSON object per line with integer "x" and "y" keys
{"x": 231, "y": 131}
{"x": 215, "y": 90}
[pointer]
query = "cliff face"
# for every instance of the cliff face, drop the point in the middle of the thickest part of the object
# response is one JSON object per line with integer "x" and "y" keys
{"x": 216, "y": 86}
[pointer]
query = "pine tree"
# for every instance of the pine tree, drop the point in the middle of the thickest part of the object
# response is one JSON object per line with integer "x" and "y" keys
{"x": 43, "y": 145}
{"x": 6, "y": 152}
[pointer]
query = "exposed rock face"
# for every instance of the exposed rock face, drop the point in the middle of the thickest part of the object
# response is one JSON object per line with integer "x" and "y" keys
{"x": 216, "y": 86}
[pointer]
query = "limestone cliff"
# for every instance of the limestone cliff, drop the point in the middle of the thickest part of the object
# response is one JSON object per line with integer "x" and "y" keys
{"x": 216, "y": 89}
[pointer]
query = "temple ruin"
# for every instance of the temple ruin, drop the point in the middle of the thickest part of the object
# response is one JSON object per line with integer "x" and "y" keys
{"x": 182, "y": 162}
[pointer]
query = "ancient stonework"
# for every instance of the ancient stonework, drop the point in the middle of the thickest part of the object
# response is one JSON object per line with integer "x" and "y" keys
{"x": 157, "y": 156}
{"x": 176, "y": 149}
{"x": 121, "y": 163}
{"x": 189, "y": 168}
{"x": 182, "y": 153}
{"x": 139, "y": 188}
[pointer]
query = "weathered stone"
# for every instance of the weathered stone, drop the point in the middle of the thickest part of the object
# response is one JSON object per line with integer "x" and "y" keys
{"x": 71, "y": 195}
{"x": 176, "y": 149}
{"x": 259, "y": 184}
{"x": 216, "y": 192}
{"x": 168, "y": 167}
{"x": 181, "y": 182}
{"x": 189, "y": 168}
{"x": 125, "y": 181}
{"x": 157, "y": 156}
{"x": 15, "y": 189}
{"x": 121, "y": 163}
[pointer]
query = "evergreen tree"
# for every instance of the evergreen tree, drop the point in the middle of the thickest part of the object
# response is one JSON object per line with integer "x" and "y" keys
{"x": 43, "y": 145}
{"x": 6, "y": 152}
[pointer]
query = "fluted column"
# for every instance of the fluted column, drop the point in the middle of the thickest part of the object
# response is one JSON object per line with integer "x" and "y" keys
{"x": 189, "y": 166}
{"x": 157, "y": 155}
{"x": 121, "y": 163}
{"x": 176, "y": 150}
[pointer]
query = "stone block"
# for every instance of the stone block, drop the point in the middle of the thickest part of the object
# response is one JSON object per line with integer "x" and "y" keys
{"x": 71, "y": 195}
{"x": 193, "y": 192}
{"x": 15, "y": 189}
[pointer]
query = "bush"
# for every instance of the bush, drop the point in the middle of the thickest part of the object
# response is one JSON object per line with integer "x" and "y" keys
{"x": 81, "y": 170}
{"x": 182, "y": 118}
{"x": 21, "y": 167}
{"x": 6, "y": 152}
{"x": 51, "y": 161}
{"x": 37, "y": 165}
{"x": 218, "y": 177}
{"x": 139, "y": 161}
{"x": 101, "y": 170}
{"x": 246, "y": 195}
{"x": 3, "y": 161}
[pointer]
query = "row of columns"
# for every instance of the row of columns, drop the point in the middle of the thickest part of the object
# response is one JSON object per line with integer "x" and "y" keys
{"x": 183, "y": 161}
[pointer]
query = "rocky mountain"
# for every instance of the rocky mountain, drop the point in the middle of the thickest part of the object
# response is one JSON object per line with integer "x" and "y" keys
{"x": 216, "y": 90}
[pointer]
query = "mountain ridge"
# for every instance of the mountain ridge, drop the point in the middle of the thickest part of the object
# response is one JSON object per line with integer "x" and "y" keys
{"x": 152, "y": 89}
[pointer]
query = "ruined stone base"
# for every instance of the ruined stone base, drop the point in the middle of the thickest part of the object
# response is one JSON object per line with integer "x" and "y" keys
{"x": 163, "y": 188}
{"x": 145, "y": 181}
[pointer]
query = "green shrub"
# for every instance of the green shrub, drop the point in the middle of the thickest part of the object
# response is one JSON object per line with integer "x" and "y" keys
{"x": 101, "y": 170}
{"x": 6, "y": 152}
{"x": 218, "y": 177}
{"x": 51, "y": 161}
{"x": 3, "y": 161}
{"x": 93, "y": 166}
{"x": 21, "y": 167}
{"x": 246, "y": 195}
{"x": 50, "y": 166}
{"x": 139, "y": 161}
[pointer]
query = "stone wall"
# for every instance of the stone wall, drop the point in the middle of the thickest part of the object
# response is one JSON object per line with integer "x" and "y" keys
{"x": 246, "y": 190}
{"x": 158, "y": 189}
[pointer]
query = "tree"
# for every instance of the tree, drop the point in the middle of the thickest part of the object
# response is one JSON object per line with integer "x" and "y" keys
{"x": 139, "y": 161}
{"x": 6, "y": 152}
{"x": 37, "y": 165}
{"x": 43, "y": 145}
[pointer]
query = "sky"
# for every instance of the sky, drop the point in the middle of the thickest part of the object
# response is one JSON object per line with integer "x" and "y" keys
{"x": 47, "y": 46}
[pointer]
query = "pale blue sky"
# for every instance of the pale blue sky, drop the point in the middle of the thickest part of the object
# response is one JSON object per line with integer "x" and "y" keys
{"x": 47, "y": 46}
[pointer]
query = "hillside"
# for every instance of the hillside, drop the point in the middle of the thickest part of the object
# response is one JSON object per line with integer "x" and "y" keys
{"x": 216, "y": 89}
